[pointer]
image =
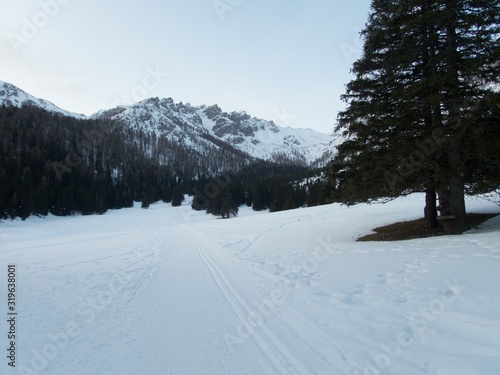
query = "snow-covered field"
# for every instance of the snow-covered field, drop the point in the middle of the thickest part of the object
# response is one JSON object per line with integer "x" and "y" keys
{"x": 172, "y": 291}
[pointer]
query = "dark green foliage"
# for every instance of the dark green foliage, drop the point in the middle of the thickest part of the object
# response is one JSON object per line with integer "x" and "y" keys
{"x": 177, "y": 197}
{"x": 53, "y": 164}
{"x": 260, "y": 196}
{"x": 229, "y": 206}
{"x": 261, "y": 186}
{"x": 483, "y": 166}
{"x": 223, "y": 204}
{"x": 317, "y": 192}
{"x": 421, "y": 104}
{"x": 285, "y": 195}
{"x": 146, "y": 202}
{"x": 274, "y": 187}
{"x": 200, "y": 201}
{"x": 167, "y": 194}
{"x": 63, "y": 166}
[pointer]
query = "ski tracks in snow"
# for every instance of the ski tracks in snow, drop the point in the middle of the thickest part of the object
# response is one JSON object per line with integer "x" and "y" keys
{"x": 290, "y": 342}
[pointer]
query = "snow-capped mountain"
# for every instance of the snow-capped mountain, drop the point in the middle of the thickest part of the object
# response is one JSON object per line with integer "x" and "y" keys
{"x": 11, "y": 95}
{"x": 201, "y": 127}
{"x": 257, "y": 137}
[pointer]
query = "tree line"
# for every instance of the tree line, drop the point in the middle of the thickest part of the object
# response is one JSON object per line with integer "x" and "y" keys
{"x": 422, "y": 115}
{"x": 61, "y": 165}
{"x": 261, "y": 186}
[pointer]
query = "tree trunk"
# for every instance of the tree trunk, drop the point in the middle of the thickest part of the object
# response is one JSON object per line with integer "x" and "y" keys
{"x": 457, "y": 205}
{"x": 458, "y": 222}
{"x": 430, "y": 211}
{"x": 456, "y": 188}
{"x": 446, "y": 219}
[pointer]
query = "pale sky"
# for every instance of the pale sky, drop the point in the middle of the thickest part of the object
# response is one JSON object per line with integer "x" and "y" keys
{"x": 281, "y": 60}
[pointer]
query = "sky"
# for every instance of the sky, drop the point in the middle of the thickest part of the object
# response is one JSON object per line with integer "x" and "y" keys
{"x": 281, "y": 60}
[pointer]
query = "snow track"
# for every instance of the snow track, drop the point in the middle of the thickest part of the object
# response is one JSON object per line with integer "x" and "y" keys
{"x": 308, "y": 343}
{"x": 282, "y": 360}
{"x": 171, "y": 291}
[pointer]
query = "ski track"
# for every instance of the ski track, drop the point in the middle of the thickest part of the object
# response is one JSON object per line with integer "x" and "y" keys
{"x": 175, "y": 286}
{"x": 277, "y": 354}
{"x": 308, "y": 340}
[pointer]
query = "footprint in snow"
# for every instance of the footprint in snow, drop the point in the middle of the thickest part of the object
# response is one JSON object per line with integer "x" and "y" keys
{"x": 350, "y": 299}
{"x": 386, "y": 278}
{"x": 428, "y": 369}
{"x": 403, "y": 297}
{"x": 413, "y": 265}
{"x": 362, "y": 289}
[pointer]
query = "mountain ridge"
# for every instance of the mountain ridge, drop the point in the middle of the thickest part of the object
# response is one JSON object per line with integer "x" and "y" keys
{"x": 194, "y": 126}
{"x": 11, "y": 95}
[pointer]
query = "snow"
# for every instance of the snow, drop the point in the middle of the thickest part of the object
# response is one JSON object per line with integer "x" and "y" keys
{"x": 185, "y": 124}
{"x": 173, "y": 291}
{"x": 11, "y": 95}
{"x": 267, "y": 140}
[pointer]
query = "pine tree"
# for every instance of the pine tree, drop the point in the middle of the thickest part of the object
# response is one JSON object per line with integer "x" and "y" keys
{"x": 228, "y": 206}
{"x": 482, "y": 153}
{"x": 425, "y": 66}
{"x": 290, "y": 203}
{"x": 214, "y": 204}
{"x": 167, "y": 194}
{"x": 146, "y": 201}
{"x": 223, "y": 204}
{"x": 177, "y": 197}
{"x": 257, "y": 197}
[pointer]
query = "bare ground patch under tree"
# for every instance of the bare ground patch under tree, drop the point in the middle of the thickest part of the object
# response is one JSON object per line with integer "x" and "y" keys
{"x": 408, "y": 230}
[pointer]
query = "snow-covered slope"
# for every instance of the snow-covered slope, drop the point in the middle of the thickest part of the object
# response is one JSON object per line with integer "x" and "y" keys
{"x": 11, "y": 95}
{"x": 257, "y": 137}
{"x": 202, "y": 127}
{"x": 174, "y": 291}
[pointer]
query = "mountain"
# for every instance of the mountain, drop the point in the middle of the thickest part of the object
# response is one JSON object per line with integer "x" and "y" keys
{"x": 54, "y": 161}
{"x": 257, "y": 137}
{"x": 11, "y": 95}
{"x": 200, "y": 128}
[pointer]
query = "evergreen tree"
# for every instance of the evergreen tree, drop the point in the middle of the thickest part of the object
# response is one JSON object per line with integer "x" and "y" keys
{"x": 146, "y": 201}
{"x": 223, "y": 204}
{"x": 258, "y": 196}
{"x": 290, "y": 203}
{"x": 200, "y": 202}
{"x": 167, "y": 194}
{"x": 483, "y": 155}
{"x": 425, "y": 66}
{"x": 214, "y": 204}
{"x": 177, "y": 197}
{"x": 248, "y": 196}
{"x": 229, "y": 207}
{"x": 201, "y": 194}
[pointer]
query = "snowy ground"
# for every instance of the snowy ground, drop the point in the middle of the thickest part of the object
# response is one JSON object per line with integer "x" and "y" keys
{"x": 172, "y": 291}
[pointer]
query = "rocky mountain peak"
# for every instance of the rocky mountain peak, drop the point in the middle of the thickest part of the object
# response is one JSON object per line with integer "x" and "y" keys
{"x": 199, "y": 127}
{"x": 11, "y": 95}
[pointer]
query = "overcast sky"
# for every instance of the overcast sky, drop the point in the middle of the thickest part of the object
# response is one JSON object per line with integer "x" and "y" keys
{"x": 281, "y": 60}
